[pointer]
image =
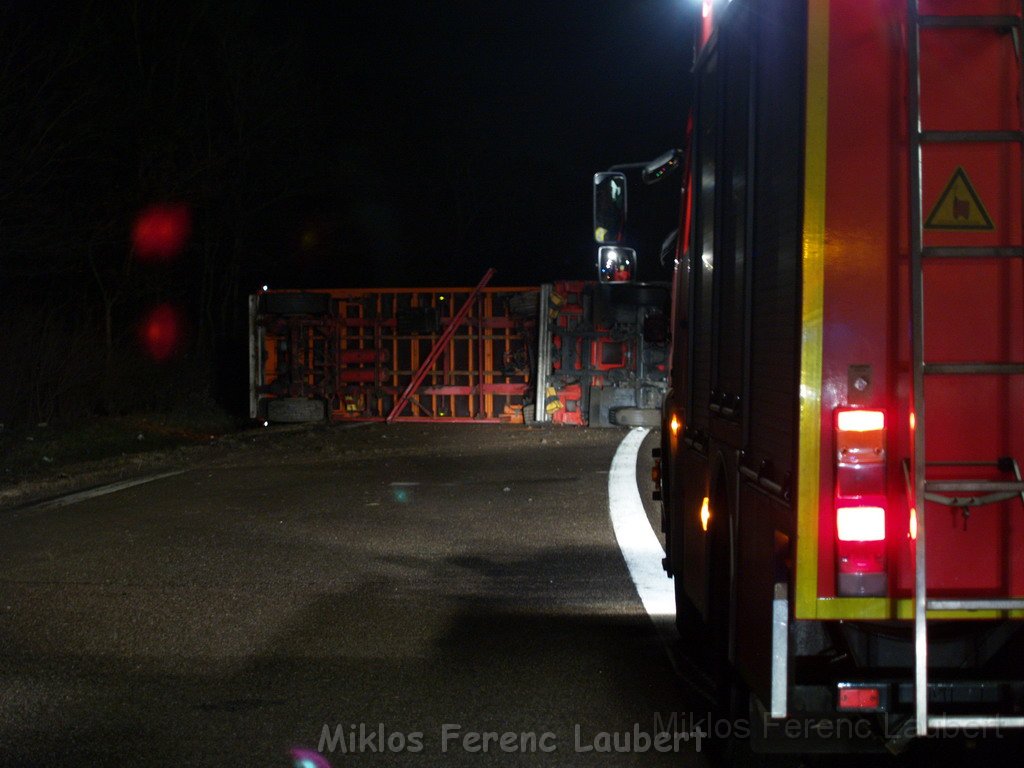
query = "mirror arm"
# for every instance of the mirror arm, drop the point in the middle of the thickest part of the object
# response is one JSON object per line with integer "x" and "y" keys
{"x": 659, "y": 164}
{"x": 628, "y": 166}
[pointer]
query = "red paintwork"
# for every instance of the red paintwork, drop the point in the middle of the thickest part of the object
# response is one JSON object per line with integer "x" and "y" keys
{"x": 355, "y": 356}
{"x": 973, "y": 310}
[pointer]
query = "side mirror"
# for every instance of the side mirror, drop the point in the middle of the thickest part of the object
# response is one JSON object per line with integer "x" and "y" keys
{"x": 615, "y": 264}
{"x": 609, "y": 207}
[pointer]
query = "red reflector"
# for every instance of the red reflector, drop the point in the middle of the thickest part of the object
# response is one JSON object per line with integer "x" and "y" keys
{"x": 859, "y": 698}
{"x": 860, "y": 420}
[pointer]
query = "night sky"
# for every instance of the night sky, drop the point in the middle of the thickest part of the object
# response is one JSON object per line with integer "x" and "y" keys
{"x": 463, "y": 135}
{"x": 313, "y": 145}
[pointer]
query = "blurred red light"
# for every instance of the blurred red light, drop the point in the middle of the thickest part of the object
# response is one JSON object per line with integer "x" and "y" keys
{"x": 161, "y": 332}
{"x": 161, "y": 230}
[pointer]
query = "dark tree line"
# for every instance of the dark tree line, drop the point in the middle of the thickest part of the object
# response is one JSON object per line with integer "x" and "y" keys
{"x": 317, "y": 144}
{"x": 106, "y": 108}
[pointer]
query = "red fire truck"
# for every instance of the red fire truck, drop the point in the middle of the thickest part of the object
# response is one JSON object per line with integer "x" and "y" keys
{"x": 844, "y": 429}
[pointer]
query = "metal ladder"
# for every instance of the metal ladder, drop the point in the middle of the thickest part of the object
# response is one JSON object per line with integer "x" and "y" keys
{"x": 956, "y": 493}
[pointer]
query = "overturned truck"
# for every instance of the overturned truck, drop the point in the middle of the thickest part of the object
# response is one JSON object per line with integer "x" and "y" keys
{"x": 568, "y": 352}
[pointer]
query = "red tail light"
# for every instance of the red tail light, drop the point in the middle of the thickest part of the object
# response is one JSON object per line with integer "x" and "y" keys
{"x": 860, "y": 523}
{"x": 860, "y": 501}
{"x": 860, "y": 420}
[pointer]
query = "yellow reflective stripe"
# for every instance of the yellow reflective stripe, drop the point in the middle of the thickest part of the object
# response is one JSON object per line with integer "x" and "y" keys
{"x": 809, "y": 455}
{"x": 884, "y": 608}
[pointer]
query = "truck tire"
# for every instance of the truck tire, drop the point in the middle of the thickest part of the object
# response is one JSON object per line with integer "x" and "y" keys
{"x": 524, "y": 304}
{"x": 295, "y": 303}
{"x": 296, "y": 410}
{"x": 635, "y": 417}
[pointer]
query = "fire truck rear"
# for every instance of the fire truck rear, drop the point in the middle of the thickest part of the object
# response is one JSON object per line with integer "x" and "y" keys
{"x": 842, "y": 439}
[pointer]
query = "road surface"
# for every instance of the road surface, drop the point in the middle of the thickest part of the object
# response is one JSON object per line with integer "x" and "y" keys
{"x": 392, "y": 595}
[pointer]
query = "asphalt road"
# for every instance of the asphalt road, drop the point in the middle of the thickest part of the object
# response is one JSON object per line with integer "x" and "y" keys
{"x": 401, "y": 595}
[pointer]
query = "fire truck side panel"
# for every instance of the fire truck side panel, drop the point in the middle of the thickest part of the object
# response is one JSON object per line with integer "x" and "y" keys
{"x": 744, "y": 321}
{"x": 865, "y": 221}
{"x": 703, "y": 250}
{"x": 793, "y": 304}
{"x": 760, "y": 564}
{"x": 692, "y": 562}
{"x": 766, "y": 520}
{"x": 775, "y": 280}
{"x": 973, "y": 310}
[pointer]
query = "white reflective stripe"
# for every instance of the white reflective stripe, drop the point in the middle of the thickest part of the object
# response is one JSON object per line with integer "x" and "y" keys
{"x": 73, "y": 498}
{"x": 639, "y": 544}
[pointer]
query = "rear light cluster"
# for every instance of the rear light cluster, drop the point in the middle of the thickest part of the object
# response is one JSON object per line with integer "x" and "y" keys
{"x": 860, "y": 502}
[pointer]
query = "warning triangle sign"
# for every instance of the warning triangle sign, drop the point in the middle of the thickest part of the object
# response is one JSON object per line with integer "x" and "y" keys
{"x": 959, "y": 207}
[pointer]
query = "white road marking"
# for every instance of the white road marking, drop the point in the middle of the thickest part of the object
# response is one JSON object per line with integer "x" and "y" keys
{"x": 103, "y": 490}
{"x": 639, "y": 544}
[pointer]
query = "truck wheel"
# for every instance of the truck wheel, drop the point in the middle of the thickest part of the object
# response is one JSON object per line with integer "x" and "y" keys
{"x": 636, "y": 417}
{"x": 295, "y": 303}
{"x": 296, "y": 410}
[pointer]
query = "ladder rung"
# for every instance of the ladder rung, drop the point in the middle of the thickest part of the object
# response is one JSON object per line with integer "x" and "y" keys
{"x": 974, "y": 486}
{"x": 967, "y": 369}
{"x": 964, "y": 252}
{"x": 975, "y": 604}
{"x": 938, "y": 137}
{"x": 974, "y": 722}
{"x": 968, "y": 21}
